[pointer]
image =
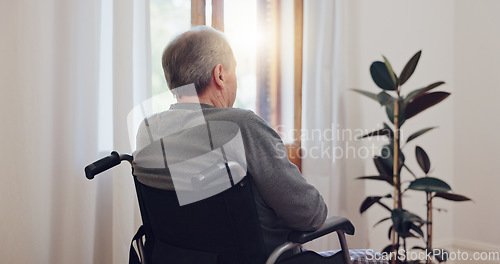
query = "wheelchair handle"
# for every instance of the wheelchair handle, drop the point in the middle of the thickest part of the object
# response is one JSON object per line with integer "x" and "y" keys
{"x": 105, "y": 163}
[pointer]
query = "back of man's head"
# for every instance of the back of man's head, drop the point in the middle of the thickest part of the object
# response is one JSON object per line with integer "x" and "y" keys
{"x": 192, "y": 56}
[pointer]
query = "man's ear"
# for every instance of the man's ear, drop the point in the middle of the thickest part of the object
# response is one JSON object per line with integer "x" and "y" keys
{"x": 218, "y": 75}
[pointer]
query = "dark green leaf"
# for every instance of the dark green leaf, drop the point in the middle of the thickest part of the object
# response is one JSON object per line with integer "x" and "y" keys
{"x": 417, "y": 247}
{"x": 390, "y": 248}
{"x": 409, "y": 234}
{"x": 421, "y": 91}
{"x": 390, "y": 70}
{"x": 413, "y": 218}
{"x": 440, "y": 254}
{"x": 387, "y": 153}
{"x": 417, "y": 229}
{"x": 423, "y": 102}
{"x": 389, "y": 234}
{"x": 381, "y": 76}
{"x": 386, "y": 126}
{"x": 385, "y": 98}
{"x": 405, "y": 216}
{"x": 382, "y": 168}
{"x": 452, "y": 197}
{"x": 403, "y": 221}
{"x": 368, "y": 202}
{"x": 418, "y": 133}
{"x": 429, "y": 184}
{"x": 409, "y": 68}
{"x": 381, "y": 221}
{"x": 423, "y": 159}
{"x": 367, "y": 94}
{"x": 384, "y": 205}
{"x": 387, "y": 179}
{"x": 386, "y": 131}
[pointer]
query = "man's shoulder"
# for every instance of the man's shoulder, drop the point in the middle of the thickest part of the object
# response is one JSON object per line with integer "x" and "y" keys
{"x": 236, "y": 112}
{"x": 242, "y": 117}
{"x": 250, "y": 124}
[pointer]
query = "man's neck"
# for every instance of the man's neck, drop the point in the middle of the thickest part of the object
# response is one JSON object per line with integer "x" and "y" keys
{"x": 188, "y": 99}
{"x": 203, "y": 99}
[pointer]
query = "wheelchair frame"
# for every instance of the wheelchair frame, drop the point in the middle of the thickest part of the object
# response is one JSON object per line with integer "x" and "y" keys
{"x": 296, "y": 238}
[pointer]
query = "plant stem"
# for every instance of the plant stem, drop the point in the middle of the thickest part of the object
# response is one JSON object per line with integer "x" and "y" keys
{"x": 429, "y": 223}
{"x": 411, "y": 172}
{"x": 404, "y": 245}
{"x": 385, "y": 206}
{"x": 395, "y": 170}
{"x": 395, "y": 166}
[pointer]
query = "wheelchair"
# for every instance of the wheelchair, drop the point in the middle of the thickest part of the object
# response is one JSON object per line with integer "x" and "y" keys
{"x": 221, "y": 229}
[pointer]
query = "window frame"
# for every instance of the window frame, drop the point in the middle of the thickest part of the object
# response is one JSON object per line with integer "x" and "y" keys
{"x": 269, "y": 77}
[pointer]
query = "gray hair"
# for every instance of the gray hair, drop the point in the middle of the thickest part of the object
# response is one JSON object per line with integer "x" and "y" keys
{"x": 192, "y": 56}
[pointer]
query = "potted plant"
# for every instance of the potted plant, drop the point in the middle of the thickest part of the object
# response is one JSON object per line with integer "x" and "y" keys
{"x": 400, "y": 108}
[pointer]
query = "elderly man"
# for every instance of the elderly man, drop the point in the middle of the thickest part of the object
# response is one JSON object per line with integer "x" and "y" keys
{"x": 202, "y": 55}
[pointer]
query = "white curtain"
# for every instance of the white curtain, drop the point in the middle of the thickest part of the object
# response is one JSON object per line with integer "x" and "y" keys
{"x": 70, "y": 72}
{"x": 324, "y": 77}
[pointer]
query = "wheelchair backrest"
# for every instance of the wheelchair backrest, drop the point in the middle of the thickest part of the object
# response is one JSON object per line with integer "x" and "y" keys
{"x": 222, "y": 229}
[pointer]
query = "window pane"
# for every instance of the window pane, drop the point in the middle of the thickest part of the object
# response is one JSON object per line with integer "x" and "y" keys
{"x": 168, "y": 19}
{"x": 253, "y": 27}
{"x": 240, "y": 26}
{"x": 287, "y": 70}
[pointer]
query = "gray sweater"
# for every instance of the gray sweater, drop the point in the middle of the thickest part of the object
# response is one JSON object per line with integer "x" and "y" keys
{"x": 284, "y": 199}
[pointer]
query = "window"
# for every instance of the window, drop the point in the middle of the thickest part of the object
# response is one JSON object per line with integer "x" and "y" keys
{"x": 168, "y": 18}
{"x": 240, "y": 27}
{"x": 266, "y": 37}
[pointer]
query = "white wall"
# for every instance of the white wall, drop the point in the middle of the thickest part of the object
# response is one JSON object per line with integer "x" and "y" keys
{"x": 460, "y": 42}
{"x": 476, "y": 124}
